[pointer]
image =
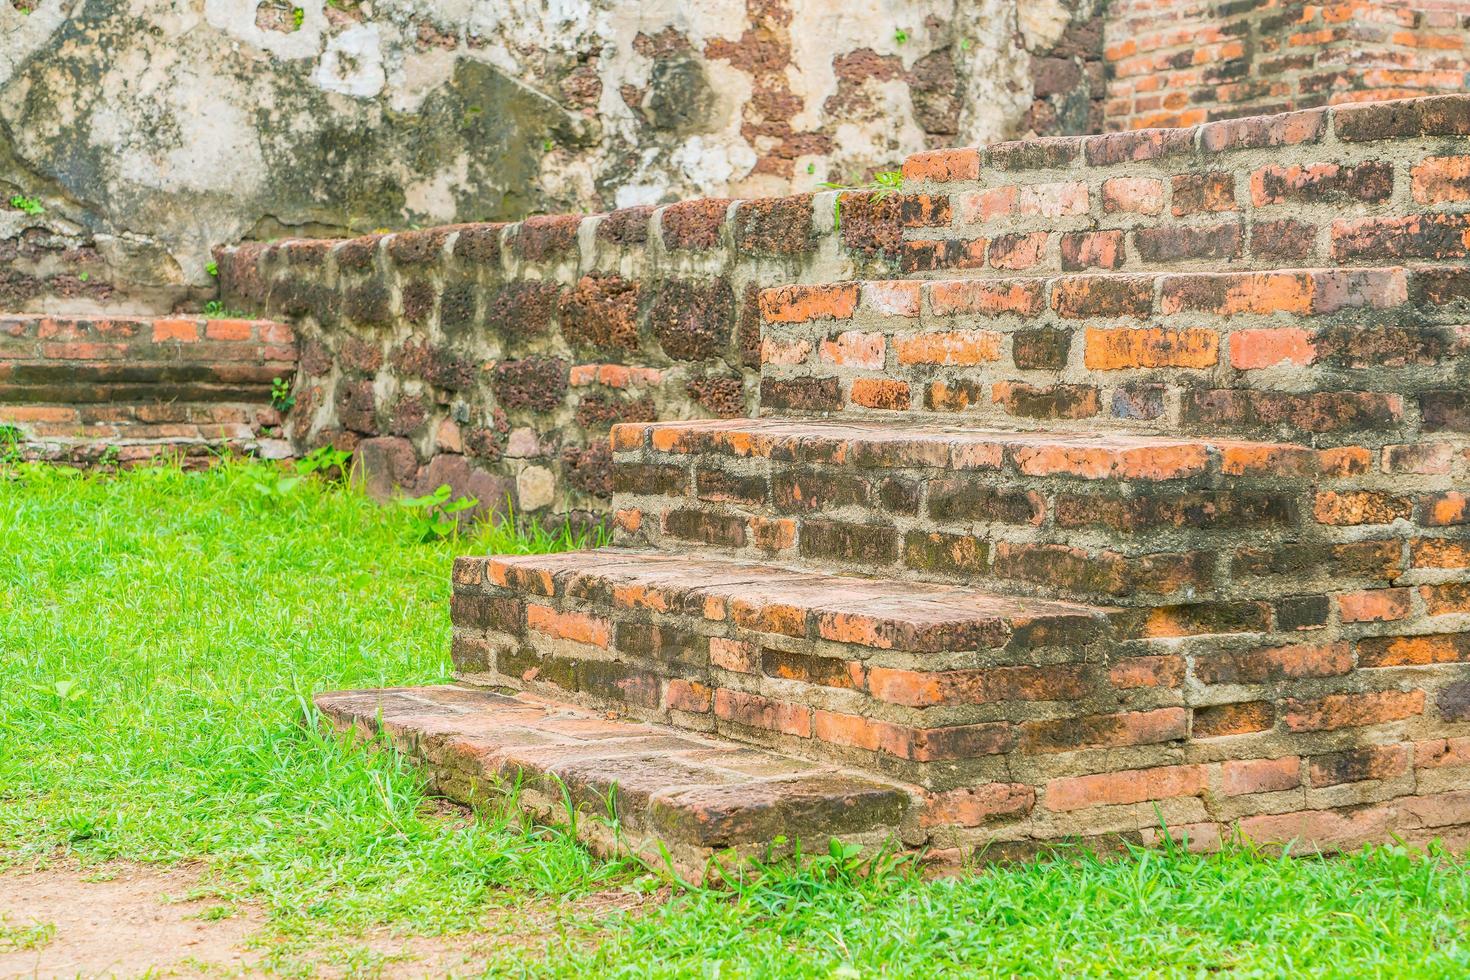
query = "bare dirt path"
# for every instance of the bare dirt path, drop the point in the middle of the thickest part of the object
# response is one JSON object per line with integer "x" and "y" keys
{"x": 125, "y": 920}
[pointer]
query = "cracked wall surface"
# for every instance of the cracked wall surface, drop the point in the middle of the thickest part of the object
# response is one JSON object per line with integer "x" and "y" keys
{"x": 152, "y": 130}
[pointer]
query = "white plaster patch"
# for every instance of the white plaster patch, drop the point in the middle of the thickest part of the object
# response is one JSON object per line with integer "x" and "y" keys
{"x": 353, "y": 63}
{"x": 22, "y": 35}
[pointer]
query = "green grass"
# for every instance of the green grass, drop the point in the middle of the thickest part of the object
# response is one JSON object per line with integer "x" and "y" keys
{"x": 160, "y": 636}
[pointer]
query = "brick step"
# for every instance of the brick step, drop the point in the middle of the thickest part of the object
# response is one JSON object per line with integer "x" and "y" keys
{"x": 1019, "y": 721}
{"x": 1317, "y": 186}
{"x": 1368, "y": 356}
{"x": 131, "y": 434}
{"x": 697, "y": 797}
{"x": 932, "y": 684}
{"x": 1134, "y": 520}
{"x": 78, "y": 360}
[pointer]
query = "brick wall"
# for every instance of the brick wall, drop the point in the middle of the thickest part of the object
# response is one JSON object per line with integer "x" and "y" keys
{"x": 127, "y": 389}
{"x": 496, "y": 357}
{"x": 1181, "y": 62}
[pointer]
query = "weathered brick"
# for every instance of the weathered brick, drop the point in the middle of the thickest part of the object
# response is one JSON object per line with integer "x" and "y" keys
{"x": 801, "y": 304}
{"x": 955, "y": 347}
{"x": 943, "y": 165}
{"x": 1356, "y": 765}
{"x": 754, "y": 711}
{"x": 1244, "y": 777}
{"x": 1104, "y": 731}
{"x": 1133, "y": 195}
{"x": 1083, "y": 250}
{"x": 1374, "y": 605}
{"x": 1269, "y": 664}
{"x": 1349, "y": 710}
{"x": 1079, "y": 297}
{"x": 579, "y": 627}
{"x": 1413, "y": 651}
{"x": 1198, "y": 192}
{"x": 978, "y": 806}
{"x": 1150, "y": 347}
{"x": 1322, "y": 182}
{"x": 1128, "y": 786}
{"x": 1241, "y": 718}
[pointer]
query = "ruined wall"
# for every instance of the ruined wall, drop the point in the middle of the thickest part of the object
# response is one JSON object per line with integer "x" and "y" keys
{"x": 153, "y": 130}
{"x": 496, "y": 357}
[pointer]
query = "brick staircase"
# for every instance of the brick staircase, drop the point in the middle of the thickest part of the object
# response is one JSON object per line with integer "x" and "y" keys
{"x": 126, "y": 390}
{"x": 1143, "y": 501}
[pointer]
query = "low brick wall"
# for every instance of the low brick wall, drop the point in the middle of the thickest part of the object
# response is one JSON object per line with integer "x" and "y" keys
{"x": 127, "y": 389}
{"x": 496, "y": 357}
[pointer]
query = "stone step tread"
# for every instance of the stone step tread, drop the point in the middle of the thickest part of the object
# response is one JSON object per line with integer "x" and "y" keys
{"x": 899, "y": 443}
{"x": 691, "y": 791}
{"x": 883, "y": 613}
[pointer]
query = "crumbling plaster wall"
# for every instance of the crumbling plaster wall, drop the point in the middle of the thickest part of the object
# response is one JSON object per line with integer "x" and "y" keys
{"x": 154, "y": 129}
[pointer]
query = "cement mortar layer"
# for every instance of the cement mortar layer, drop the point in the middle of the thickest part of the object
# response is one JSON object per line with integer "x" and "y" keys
{"x": 153, "y": 130}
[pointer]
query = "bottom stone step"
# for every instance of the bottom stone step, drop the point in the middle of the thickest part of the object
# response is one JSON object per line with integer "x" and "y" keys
{"x": 635, "y": 786}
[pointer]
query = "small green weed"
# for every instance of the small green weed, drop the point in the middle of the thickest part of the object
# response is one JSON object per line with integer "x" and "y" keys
{"x": 884, "y": 183}
{"x": 435, "y": 514}
{"x": 17, "y": 938}
{"x": 212, "y": 269}
{"x": 900, "y": 36}
{"x": 298, "y": 17}
{"x": 216, "y": 310}
{"x": 327, "y": 462}
{"x": 281, "y": 398}
{"x": 30, "y": 205}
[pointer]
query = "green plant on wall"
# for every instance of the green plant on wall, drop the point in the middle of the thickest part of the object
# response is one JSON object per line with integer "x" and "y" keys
{"x": 29, "y": 205}
{"x": 884, "y": 182}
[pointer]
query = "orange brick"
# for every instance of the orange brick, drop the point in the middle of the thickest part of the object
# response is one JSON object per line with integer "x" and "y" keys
{"x": 228, "y": 329}
{"x": 884, "y": 393}
{"x": 183, "y": 331}
{"x": 1440, "y": 180}
{"x": 773, "y": 534}
{"x": 1446, "y": 509}
{"x": 1344, "y": 461}
{"x": 1252, "y": 350}
{"x": 754, "y": 711}
{"x": 854, "y": 348}
{"x": 1439, "y": 553}
{"x": 1267, "y": 460}
{"x": 1441, "y": 600}
{"x": 1413, "y": 651}
{"x": 1243, "y": 777}
{"x": 1240, "y": 718}
{"x": 1350, "y": 710}
{"x": 954, "y": 347}
{"x": 1359, "y": 507}
{"x": 1155, "y": 671}
{"x": 976, "y": 806}
{"x": 1375, "y": 605}
{"x": 1150, "y": 347}
{"x": 801, "y": 304}
{"x": 1440, "y": 752}
{"x": 578, "y": 627}
{"x": 1128, "y": 786}
{"x": 690, "y": 696}
{"x": 629, "y": 519}
{"x": 973, "y": 296}
{"x": 735, "y": 655}
{"x": 943, "y": 165}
